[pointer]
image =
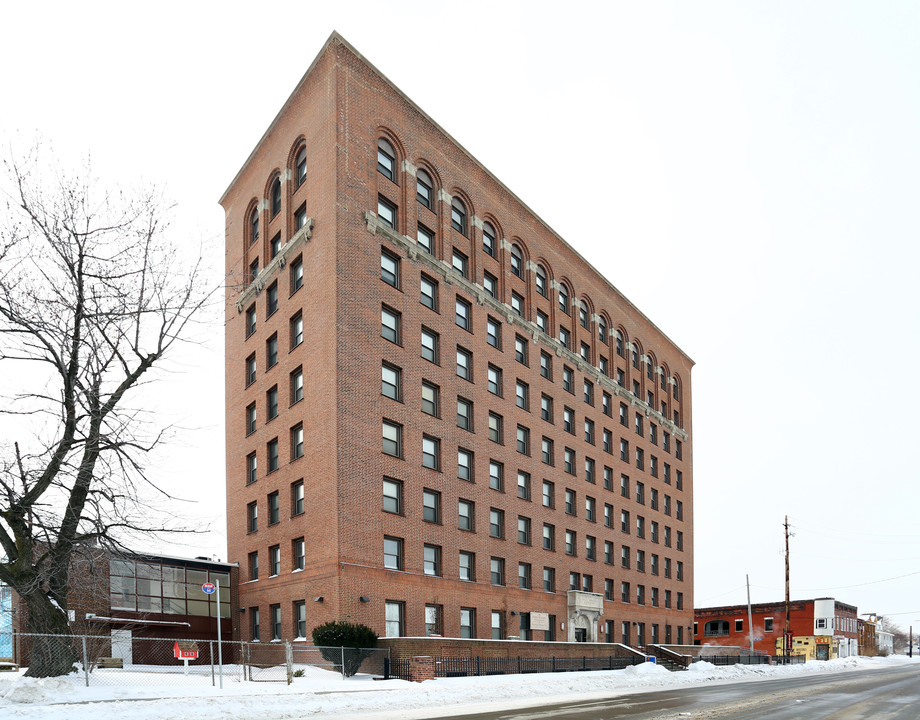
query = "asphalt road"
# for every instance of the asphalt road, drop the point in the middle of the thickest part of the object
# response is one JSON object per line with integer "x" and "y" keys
{"x": 886, "y": 694}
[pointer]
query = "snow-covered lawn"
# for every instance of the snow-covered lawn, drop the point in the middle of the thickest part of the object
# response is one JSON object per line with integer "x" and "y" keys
{"x": 324, "y": 694}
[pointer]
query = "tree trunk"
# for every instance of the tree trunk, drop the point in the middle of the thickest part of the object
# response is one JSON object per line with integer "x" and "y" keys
{"x": 51, "y": 651}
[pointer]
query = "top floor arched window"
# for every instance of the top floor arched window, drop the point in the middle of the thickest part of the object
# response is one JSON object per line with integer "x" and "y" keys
{"x": 276, "y": 196}
{"x": 424, "y": 188}
{"x": 517, "y": 261}
{"x": 540, "y": 280}
{"x": 620, "y": 344}
{"x": 386, "y": 159}
{"x": 300, "y": 166}
{"x": 602, "y": 330}
{"x": 488, "y": 238}
{"x": 583, "y": 315}
{"x": 458, "y": 215}
{"x": 254, "y": 226}
{"x": 564, "y": 299}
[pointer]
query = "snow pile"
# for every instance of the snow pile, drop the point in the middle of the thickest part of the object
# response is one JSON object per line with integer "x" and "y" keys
{"x": 320, "y": 693}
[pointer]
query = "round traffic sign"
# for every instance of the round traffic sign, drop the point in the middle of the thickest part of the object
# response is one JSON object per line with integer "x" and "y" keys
{"x": 208, "y": 588}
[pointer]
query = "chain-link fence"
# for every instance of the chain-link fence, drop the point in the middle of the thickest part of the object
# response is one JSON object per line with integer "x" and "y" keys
{"x": 127, "y": 660}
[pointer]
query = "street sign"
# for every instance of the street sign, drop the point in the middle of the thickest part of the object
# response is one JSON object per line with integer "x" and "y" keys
{"x": 208, "y": 588}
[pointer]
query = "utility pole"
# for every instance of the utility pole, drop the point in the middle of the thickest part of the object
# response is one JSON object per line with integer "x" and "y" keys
{"x": 787, "y": 629}
{"x": 747, "y": 579}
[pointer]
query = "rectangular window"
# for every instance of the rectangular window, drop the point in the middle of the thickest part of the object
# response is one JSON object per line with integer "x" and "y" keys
{"x": 251, "y": 468}
{"x": 250, "y": 320}
{"x": 496, "y": 476}
{"x": 389, "y": 322}
{"x": 589, "y": 392}
{"x": 546, "y": 365}
{"x": 464, "y": 314}
{"x": 433, "y": 620}
{"x": 296, "y": 382}
{"x": 568, "y": 379}
{"x": 496, "y": 523}
{"x": 300, "y": 619}
{"x": 549, "y": 491}
{"x": 490, "y": 283}
{"x": 523, "y": 485}
{"x": 546, "y": 408}
{"x": 275, "y": 612}
{"x": 431, "y": 399}
{"x": 524, "y": 576}
{"x": 467, "y": 517}
{"x": 590, "y": 469}
{"x": 549, "y": 537}
{"x": 464, "y": 363}
{"x": 389, "y": 268}
{"x": 272, "y": 450}
{"x": 590, "y": 509}
{"x": 608, "y": 515}
{"x": 467, "y": 622}
{"x": 497, "y": 571}
{"x": 570, "y": 543}
{"x": 431, "y": 452}
{"x": 386, "y": 211}
{"x": 496, "y": 430}
{"x": 590, "y": 547}
{"x": 624, "y": 557}
{"x": 543, "y": 321}
{"x": 460, "y": 263}
{"x": 568, "y": 420}
{"x": 250, "y": 370}
{"x": 431, "y": 506}
{"x": 392, "y": 553}
{"x": 296, "y": 330}
{"x": 392, "y": 495}
{"x": 498, "y": 624}
{"x": 549, "y": 582}
{"x": 390, "y": 381}
{"x": 271, "y": 351}
{"x": 467, "y": 566}
{"x": 432, "y": 560}
{"x": 570, "y": 502}
{"x": 547, "y": 450}
{"x": 523, "y": 440}
{"x": 429, "y": 293}
{"x": 271, "y": 403}
{"x": 569, "y": 461}
{"x": 250, "y": 418}
{"x": 465, "y": 464}
{"x": 296, "y": 275}
{"x": 425, "y": 238}
{"x": 254, "y": 624}
{"x": 464, "y": 414}
{"x": 494, "y": 333}
{"x": 392, "y": 438}
{"x": 274, "y": 508}
{"x": 254, "y": 566}
{"x": 521, "y": 350}
{"x": 608, "y": 552}
{"x": 589, "y": 431}
{"x": 495, "y": 380}
{"x": 430, "y": 345}
{"x": 565, "y": 337}
{"x": 297, "y": 441}
{"x": 274, "y": 560}
{"x": 522, "y": 394}
{"x": 394, "y": 618}
{"x": 297, "y": 498}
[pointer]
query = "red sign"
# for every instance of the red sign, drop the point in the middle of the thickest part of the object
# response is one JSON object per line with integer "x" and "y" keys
{"x": 185, "y": 651}
{"x": 208, "y": 588}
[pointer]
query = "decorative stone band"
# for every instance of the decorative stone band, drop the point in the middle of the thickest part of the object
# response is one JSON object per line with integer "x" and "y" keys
{"x": 452, "y": 277}
{"x": 279, "y": 261}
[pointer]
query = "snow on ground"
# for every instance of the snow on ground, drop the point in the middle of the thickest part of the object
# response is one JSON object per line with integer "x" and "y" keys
{"x": 322, "y": 694}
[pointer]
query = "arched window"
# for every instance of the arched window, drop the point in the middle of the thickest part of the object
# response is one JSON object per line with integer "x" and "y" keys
{"x": 300, "y": 166}
{"x": 276, "y": 196}
{"x": 583, "y": 315}
{"x": 458, "y": 215}
{"x": 541, "y": 280}
{"x": 517, "y": 261}
{"x": 564, "y": 299}
{"x": 602, "y": 330}
{"x": 254, "y": 226}
{"x": 488, "y": 238}
{"x": 620, "y": 344}
{"x": 423, "y": 188}
{"x": 386, "y": 159}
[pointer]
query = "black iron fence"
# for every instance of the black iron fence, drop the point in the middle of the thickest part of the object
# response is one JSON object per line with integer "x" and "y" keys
{"x": 751, "y": 659}
{"x": 476, "y": 666}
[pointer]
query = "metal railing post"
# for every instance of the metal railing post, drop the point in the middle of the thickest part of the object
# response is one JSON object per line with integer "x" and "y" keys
{"x": 85, "y": 662}
{"x": 211, "y": 654}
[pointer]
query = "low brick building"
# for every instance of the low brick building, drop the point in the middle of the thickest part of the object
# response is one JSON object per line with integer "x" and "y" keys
{"x": 820, "y": 629}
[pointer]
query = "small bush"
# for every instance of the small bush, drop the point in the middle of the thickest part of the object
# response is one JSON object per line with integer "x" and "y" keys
{"x": 354, "y": 638}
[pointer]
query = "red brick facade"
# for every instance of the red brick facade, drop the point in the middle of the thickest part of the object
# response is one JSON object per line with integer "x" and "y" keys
{"x": 337, "y": 116}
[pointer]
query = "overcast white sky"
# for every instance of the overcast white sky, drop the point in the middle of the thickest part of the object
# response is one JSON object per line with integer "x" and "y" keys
{"x": 748, "y": 174}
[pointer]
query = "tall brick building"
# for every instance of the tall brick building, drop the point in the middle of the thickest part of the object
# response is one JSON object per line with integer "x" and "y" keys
{"x": 440, "y": 418}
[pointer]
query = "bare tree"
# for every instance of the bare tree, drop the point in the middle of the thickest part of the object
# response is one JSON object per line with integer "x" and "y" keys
{"x": 92, "y": 296}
